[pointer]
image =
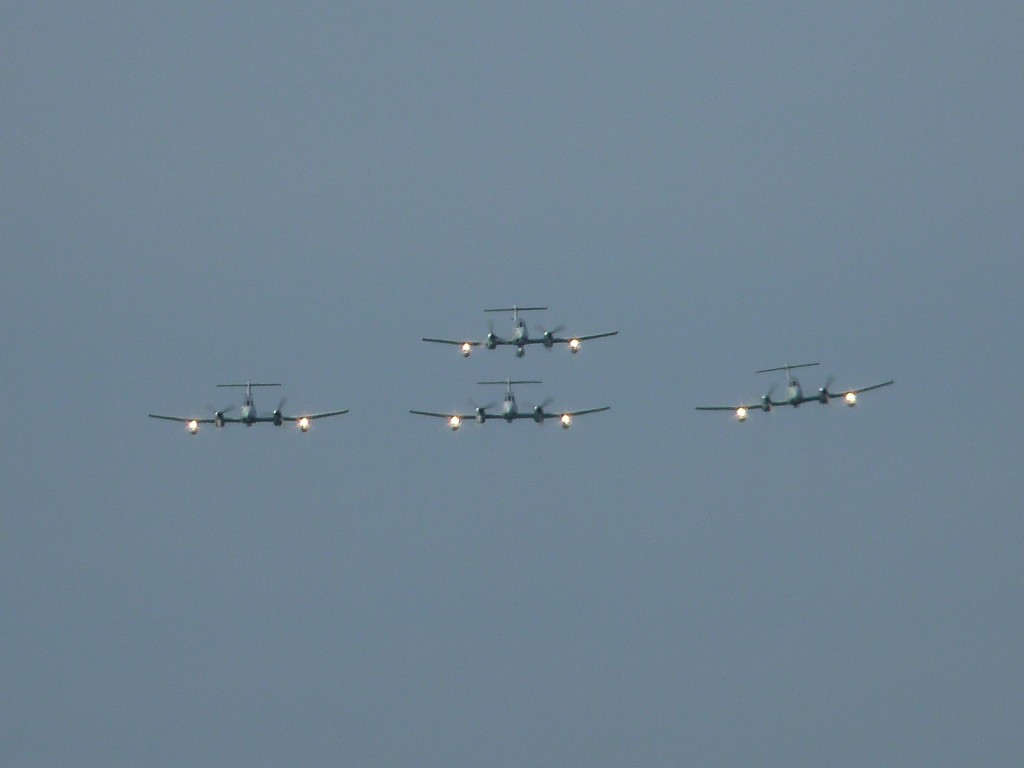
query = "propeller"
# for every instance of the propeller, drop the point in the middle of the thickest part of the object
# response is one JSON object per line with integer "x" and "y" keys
{"x": 491, "y": 337}
{"x": 480, "y": 410}
{"x": 824, "y": 391}
{"x": 538, "y": 410}
{"x": 218, "y": 414}
{"x": 278, "y": 416}
{"x": 549, "y": 336}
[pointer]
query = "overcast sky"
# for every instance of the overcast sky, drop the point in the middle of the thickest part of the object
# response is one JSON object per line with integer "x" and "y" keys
{"x": 195, "y": 194}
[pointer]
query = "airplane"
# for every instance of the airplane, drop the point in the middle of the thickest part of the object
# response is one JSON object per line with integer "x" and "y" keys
{"x": 794, "y": 394}
{"x": 510, "y": 410}
{"x": 248, "y": 414}
{"x": 520, "y": 338}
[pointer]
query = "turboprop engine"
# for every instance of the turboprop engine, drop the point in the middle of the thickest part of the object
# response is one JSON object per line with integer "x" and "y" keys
{"x": 823, "y": 393}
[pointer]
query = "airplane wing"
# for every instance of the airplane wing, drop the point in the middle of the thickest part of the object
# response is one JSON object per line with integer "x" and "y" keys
{"x": 455, "y": 420}
{"x": 733, "y": 407}
{"x": 572, "y": 413}
{"x": 312, "y": 416}
{"x": 846, "y": 392}
{"x": 585, "y": 338}
{"x": 458, "y": 343}
{"x": 462, "y": 416}
{"x": 556, "y": 339}
{"x": 307, "y": 417}
{"x": 184, "y": 419}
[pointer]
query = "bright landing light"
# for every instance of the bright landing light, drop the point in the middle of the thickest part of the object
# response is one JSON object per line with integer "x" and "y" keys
{"x": 454, "y": 422}
{"x": 851, "y": 399}
{"x": 575, "y": 344}
{"x": 304, "y": 424}
{"x": 566, "y": 421}
{"x": 466, "y": 349}
{"x": 741, "y": 414}
{"x": 193, "y": 426}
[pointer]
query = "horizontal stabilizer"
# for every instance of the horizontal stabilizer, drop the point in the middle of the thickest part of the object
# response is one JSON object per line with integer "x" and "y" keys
{"x": 514, "y": 308}
{"x": 787, "y": 368}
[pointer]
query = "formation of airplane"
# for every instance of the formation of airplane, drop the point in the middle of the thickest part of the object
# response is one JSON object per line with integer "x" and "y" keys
{"x": 795, "y": 395}
{"x": 510, "y": 410}
{"x": 248, "y": 414}
{"x": 520, "y": 337}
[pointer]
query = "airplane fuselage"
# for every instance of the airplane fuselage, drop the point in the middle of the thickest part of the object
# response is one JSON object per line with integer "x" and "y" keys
{"x": 509, "y": 409}
{"x": 795, "y": 395}
{"x": 248, "y": 412}
{"x": 519, "y": 333}
{"x": 520, "y": 337}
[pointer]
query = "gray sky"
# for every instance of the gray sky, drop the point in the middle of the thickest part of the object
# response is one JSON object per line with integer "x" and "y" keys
{"x": 194, "y": 194}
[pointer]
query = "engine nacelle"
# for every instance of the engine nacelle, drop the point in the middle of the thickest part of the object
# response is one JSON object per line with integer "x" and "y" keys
{"x": 549, "y": 339}
{"x": 466, "y": 349}
{"x": 218, "y": 420}
{"x": 538, "y": 415}
{"x": 278, "y": 419}
{"x": 481, "y": 417}
{"x": 823, "y": 396}
{"x": 766, "y": 404}
{"x": 566, "y": 420}
{"x": 520, "y": 350}
{"x": 492, "y": 341}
